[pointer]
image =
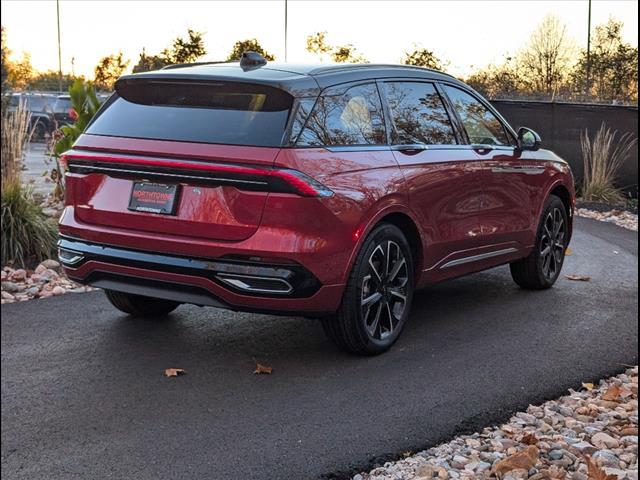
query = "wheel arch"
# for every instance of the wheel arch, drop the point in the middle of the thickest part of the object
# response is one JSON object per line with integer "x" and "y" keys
{"x": 401, "y": 218}
{"x": 410, "y": 230}
{"x": 562, "y": 192}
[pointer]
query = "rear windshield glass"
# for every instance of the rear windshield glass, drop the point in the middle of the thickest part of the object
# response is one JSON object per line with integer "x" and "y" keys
{"x": 228, "y": 113}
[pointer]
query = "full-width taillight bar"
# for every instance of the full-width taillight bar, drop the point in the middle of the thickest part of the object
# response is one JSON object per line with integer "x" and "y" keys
{"x": 242, "y": 176}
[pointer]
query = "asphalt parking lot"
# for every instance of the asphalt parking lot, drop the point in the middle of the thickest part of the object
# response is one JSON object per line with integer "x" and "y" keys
{"x": 83, "y": 395}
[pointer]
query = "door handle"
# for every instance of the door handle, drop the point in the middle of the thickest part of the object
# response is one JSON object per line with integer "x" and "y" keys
{"x": 482, "y": 149}
{"x": 410, "y": 149}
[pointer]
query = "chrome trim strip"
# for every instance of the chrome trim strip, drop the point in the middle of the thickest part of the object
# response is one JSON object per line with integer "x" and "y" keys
{"x": 477, "y": 258}
{"x": 171, "y": 175}
{"x": 75, "y": 256}
{"x": 236, "y": 281}
{"x": 526, "y": 170}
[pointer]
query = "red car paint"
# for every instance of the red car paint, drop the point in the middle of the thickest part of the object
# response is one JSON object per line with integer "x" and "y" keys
{"x": 454, "y": 202}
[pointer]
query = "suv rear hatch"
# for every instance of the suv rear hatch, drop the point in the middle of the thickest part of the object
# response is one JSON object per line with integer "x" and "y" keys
{"x": 181, "y": 157}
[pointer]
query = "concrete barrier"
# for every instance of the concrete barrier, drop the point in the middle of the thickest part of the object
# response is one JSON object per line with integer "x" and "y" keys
{"x": 560, "y": 126}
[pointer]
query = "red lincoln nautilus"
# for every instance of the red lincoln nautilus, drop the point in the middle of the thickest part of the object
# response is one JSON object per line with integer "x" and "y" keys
{"x": 325, "y": 191}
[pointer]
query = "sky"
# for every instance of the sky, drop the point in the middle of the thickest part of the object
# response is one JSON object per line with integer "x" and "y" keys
{"x": 468, "y": 34}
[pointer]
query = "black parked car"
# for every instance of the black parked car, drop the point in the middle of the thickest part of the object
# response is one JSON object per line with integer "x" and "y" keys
{"x": 40, "y": 105}
{"x": 63, "y": 112}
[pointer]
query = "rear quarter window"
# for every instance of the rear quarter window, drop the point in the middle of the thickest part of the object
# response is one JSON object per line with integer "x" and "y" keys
{"x": 215, "y": 112}
{"x": 342, "y": 118}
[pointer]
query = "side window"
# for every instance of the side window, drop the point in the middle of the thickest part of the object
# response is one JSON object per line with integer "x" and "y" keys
{"x": 353, "y": 117}
{"x": 302, "y": 110}
{"x": 418, "y": 114}
{"x": 481, "y": 125}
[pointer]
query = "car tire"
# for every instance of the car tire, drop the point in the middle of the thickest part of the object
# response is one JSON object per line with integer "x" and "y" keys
{"x": 542, "y": 267}
{"x": 140, "y": 306}
{"x": 39, "y": 131}
{"x": 378, "y": 295}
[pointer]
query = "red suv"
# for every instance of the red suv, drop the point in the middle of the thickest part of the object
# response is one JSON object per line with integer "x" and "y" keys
{"x": 325, "y": 191}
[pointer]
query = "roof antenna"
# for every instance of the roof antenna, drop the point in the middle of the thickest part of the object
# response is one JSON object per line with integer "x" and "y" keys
{"x": 251, "y": 60}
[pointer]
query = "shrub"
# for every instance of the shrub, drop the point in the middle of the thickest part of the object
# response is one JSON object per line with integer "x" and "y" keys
{"x": 27, "y": 235}
{"x": 603, "y": 157}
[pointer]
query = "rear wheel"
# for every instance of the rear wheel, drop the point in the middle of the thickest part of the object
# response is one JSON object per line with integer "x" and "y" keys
{"x": 38, "y": 131}
{"x": 542, "y": 267}
{"x": 139, "y": 306}
{"x": 378, "y": 295}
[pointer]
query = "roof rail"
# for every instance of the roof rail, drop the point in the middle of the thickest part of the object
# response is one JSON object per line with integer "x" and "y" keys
{"x": 192, "y": 64}
{"x": 326, "y": 69}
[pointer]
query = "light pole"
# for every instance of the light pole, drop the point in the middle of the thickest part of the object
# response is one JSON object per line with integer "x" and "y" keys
{"x": 59, "y": 48}
{"x": 285, "y": 29}
{"x": 588, "y": 82}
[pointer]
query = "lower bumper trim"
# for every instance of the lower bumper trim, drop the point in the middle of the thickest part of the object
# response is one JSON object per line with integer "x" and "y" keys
{"x": 150, "y": 288}
{"x": 253, "y": 278}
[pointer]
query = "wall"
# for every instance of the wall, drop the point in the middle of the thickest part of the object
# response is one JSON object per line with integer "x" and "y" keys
{"x": 560, "y": 126}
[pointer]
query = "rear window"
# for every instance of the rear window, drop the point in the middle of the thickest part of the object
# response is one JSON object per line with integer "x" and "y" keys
{"x": 211, "y": 112}
{"x": 62, "y": 105}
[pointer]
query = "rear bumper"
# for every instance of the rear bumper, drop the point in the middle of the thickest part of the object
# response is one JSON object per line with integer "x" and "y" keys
{"x": 286, "y": 288}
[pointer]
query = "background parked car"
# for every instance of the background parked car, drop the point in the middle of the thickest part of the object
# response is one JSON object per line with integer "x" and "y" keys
{"x": 49, "y": 110}
{"x": 40, "y": 106}
{"x": 62, "y": 110}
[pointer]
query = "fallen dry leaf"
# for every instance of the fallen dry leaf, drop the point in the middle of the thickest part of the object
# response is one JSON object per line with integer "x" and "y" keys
{"x": 407, "y": 454}
{"x": 596, "y": 473}
{"x": 526, "y": 460}
{"x": 174, "y": 372}
{"x": 568, "y": 252}
{"x": 612, "y": 394}
{"x": 262, "y": 369}
{"x": 588, "y": 386}
{"x": 578, "y": 278}
{"x": 529, "y": 439}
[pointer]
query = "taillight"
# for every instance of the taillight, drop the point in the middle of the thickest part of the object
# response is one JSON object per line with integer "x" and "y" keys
{"x": 73, "y": 114}
{"x": 302, "y": 184}
{"x": 195, "y": 172}
{"x": 62, "y": 161}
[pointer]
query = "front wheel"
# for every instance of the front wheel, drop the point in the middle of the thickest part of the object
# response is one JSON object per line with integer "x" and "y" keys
{"x": 542, "y": 267}
{"x": 140, "y": 306}
{"x": 378, "y": 295}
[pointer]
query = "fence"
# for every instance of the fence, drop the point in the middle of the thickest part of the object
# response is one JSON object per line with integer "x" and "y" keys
{"x": 560, "y": 126}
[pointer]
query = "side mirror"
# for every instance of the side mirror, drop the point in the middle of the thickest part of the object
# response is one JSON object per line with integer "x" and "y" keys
{"x": 528, "y": 139}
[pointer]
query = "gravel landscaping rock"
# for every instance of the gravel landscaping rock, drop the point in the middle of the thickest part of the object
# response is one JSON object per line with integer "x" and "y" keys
{"x": 577, "y": 437}
{"x": 621, "y": 218}
{"x": 605, "y": 207}
{"x": 47, "y": 280}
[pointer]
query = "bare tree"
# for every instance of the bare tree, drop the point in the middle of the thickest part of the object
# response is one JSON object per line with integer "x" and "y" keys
{"x": 547, "y": 57}
{"x": 613, "y": 65}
